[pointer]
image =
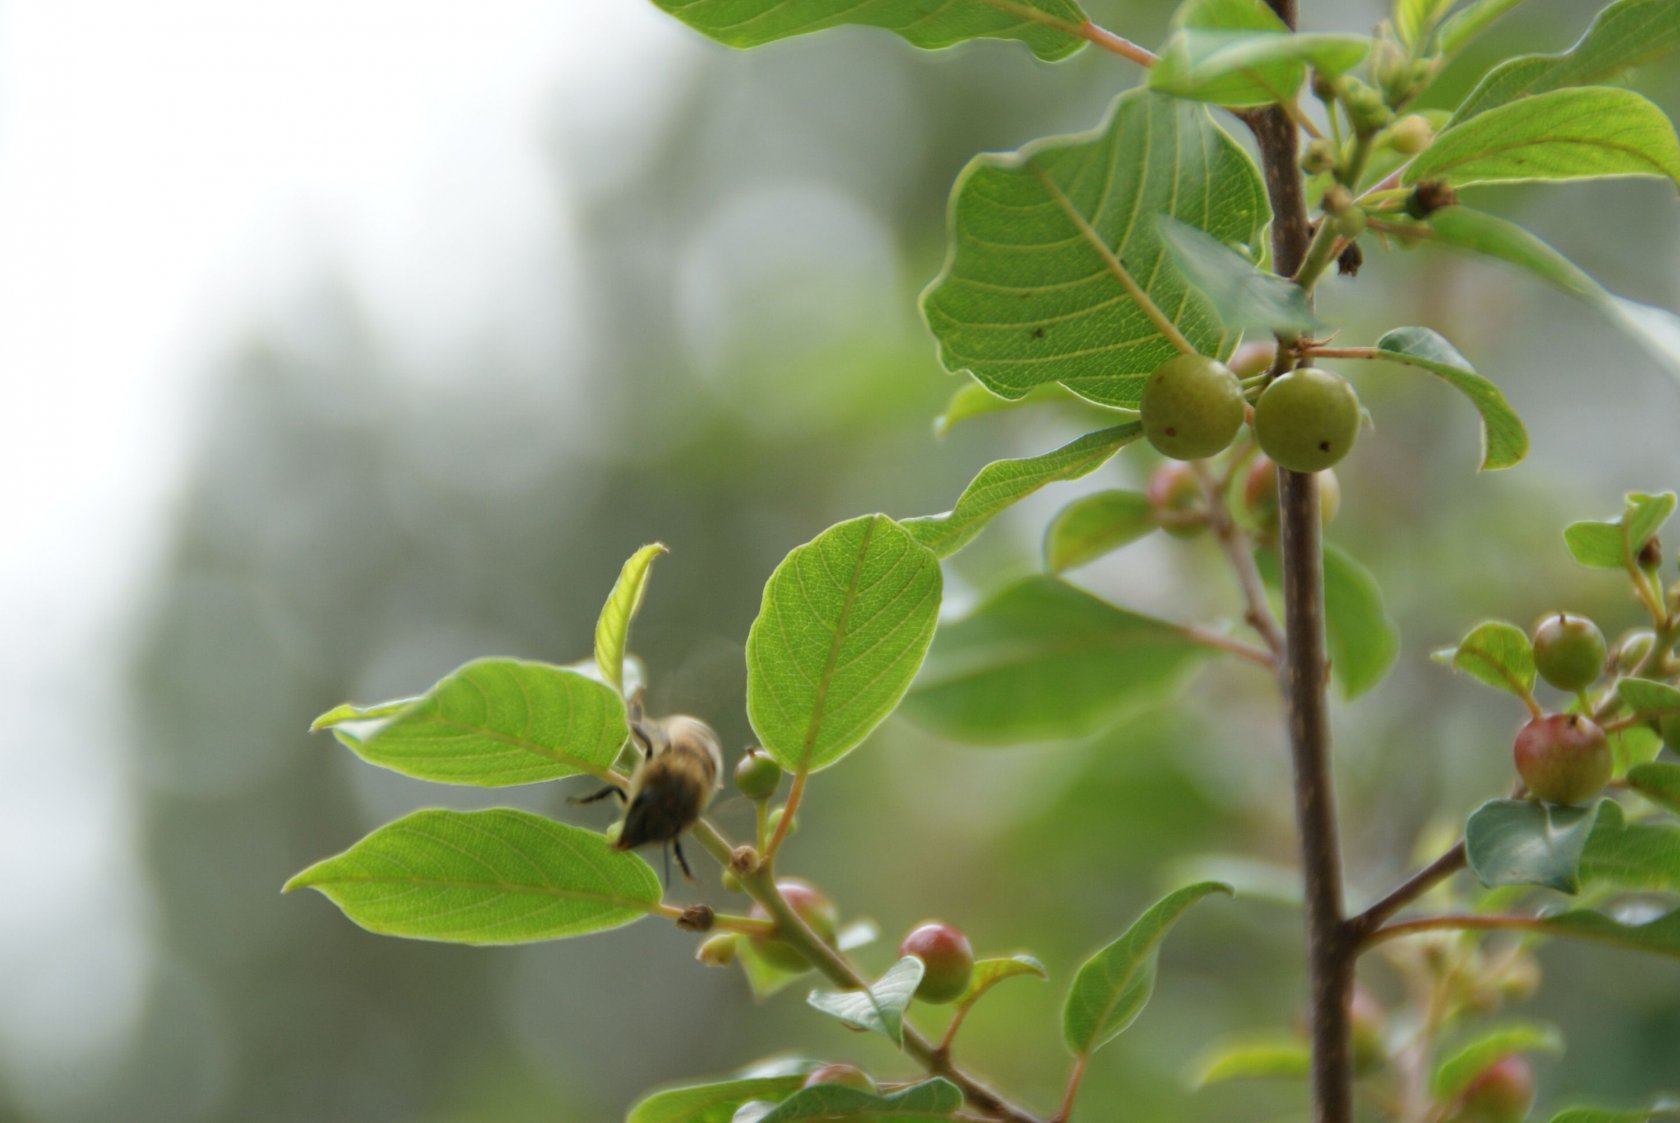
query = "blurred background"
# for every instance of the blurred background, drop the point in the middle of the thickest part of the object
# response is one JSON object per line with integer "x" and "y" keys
{"x": 345, "y": 342}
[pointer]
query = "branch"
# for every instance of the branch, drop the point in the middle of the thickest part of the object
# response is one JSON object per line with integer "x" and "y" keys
{"x": 1456, "y": 921}
{"x": 1257, "y": 610}
{"x": 760, "y": 884}
{"x": 1362, "y": 926}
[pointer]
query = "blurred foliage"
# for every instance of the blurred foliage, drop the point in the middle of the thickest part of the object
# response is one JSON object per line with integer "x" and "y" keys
{"x": 753, "y": 371}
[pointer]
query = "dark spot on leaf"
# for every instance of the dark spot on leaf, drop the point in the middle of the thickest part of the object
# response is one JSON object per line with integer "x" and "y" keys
{"x": 1038, "y": 333}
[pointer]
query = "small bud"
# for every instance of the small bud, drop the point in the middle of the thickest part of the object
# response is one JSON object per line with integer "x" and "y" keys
{"x": 1428, "y": 197}
{"x": 1349, "y": 261}
{"x": 1650, "y": 555}
{"x": 697, "y": 918}
{"x": 1366, "y": 110}
{"x": 774, "y": 822}
{"x": 1319, "y": 157}
{"x": 1410, "y": 135}
{"x": 1323, "y": 86}
{"x": 743, "y": 861}
{"x": 1252, "y": 358}
{"x": 1391, "y": 67}
{"x": 719, "y": 951}
{"x": 1350, "y": 223}
{"x": 1337, "y": 200}
{"x": 730, "y": 881}
{"x": 1632, "y": 648}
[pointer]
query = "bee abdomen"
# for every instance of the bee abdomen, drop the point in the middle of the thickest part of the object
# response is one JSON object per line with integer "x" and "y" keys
{"x": 659, "y": 813}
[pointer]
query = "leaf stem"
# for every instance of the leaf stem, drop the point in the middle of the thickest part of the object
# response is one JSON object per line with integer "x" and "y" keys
{"x": 1455, "y": 921}
{"x": 1119, "y": 45}
{"x": 795, "y": 794}
{"x": 1406, "y": 892}
{"x": 1207, "y": 637}
{"x": 1076, "y": 1075}
{"x": 1116, "y": 267}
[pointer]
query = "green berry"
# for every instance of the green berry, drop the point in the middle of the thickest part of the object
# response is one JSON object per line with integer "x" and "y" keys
{"x": 1177, "y": 498}
{"x": 1633, "y": 646}
{"x": 949, "y": 960}
{"x": 1307, "y": 420}
{"x": 848, "y": 1076}
{"x": 1568, "y": 651}
{"x": 718, "y": 951}
{"x": 813, "y": 907}
{"x": 1563, "y": 758}
{"x": 1320, "y": 156}
{"x": 1260, "y": 496}
{"x": 1192, "y": 407}
{"x": 1500, "y": 1093}
{"x": 757, "y": 775}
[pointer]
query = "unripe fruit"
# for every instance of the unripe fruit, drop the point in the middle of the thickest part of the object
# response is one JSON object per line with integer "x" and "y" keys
{"x": 847, "y": 1076}
{"x": 1320, "y": 156}
{"x": 1568, "y": 651}
{"x": 1252, "y": 358}
{"x": 757, "y": 775}
{"x": 1632, "y": 647}
{"x": 1500, "y": 1093}
{"x": 1177, "y": 499}
{"x": 1411, "y": 134}
{"x": 1366, "y": 108}
{"x": 1260, "y": 495}
{"x": 1350, "y": 223}
{"x": 1192, "y": 407}
{"x": 1563, "y": 758}
{"x": 945, "y": 953}
{"x": 1366, "y": 1020}
{"x": 774, "y": 822}
{"x": 1307, "y": 420}
{"x": 813, "y": 907}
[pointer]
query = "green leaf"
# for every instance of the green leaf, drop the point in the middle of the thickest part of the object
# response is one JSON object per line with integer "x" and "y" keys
{"x": 1655, "y": 329}
{"x": 880, "y": 1009}
{"x": 1521, "y": 842}
{"x": 972, "y": 400}
{"x": 1042, "y": 660}
{"x": 1004, "y": 483}
{"x": 1043, "y": 241}
{"x": 1638, "y": 928}
{"x": 844, "y": 625}
{"x": 1256, "y": 1056}
{"x": 484, "y": 877}
{"x": 1362, "y": 637}
{"x": 711, "y": 1103}
{"x": 1615, "y": 543}
{"x": 988, "y": 973}
{"x": 1415, "y": 19}
{"x": 927, "y": 1102}
{"x": 1586, "y": 132}
{"x": 1665, "y": 1108}
{"x": 1239, "y": 53}
{"x": 1242, "y": 295}
{"x": 1659, "y": 783}
{"x": 1455, "y": 1074}
{"x": 346, "y": 712}
{"x": 764, "y": 978}
{"x": 1624, "y": 35}
{"x": 1504, "y": 440}
{"x": 1648, "y": 698}
{"x": 492, "y": 723}
{"x": 1496, "y": 653}
{"x": 613, "y": 628}
{"x": 1113, "y": 985}
{"x": 1094, "y": 525}
{"x": 1634, "y": 855}
{"x": 1050, "y": 28}
{"x": 1470, "y": 21}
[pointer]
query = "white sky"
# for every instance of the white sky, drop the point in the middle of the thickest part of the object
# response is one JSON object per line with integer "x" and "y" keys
{"x": 167, "y": 170}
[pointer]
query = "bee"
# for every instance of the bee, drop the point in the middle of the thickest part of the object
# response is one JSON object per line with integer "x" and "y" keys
{"x": 680, "y": 769}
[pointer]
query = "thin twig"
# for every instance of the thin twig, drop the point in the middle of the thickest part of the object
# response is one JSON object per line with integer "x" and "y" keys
{"x": 1456, "y": 921}
{"x": 1076, "y": 1075}
{"x": 1257, "y": 610}
{"x": 1449, "y": 863}
{"x": 1120, "y": 45}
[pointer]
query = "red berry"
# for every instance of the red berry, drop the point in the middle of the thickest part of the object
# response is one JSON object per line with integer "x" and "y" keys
{"x": 1568, "y": 651}
{"x": 1563, "y": 758}
{"x": 944, "y": 951}
{"x": 1500, "y": 1093}
{"x": 813, "y": 907}
{"x": 849, "y": 1076}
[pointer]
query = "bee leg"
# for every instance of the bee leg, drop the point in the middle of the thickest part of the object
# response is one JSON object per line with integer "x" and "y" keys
{"x": 640, "y": 736}
{"x": 688, "y": 874}
{"x": 602, "y": 794}
{"x": 666, "y": 850}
